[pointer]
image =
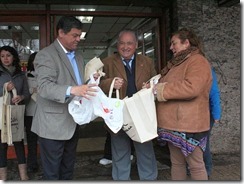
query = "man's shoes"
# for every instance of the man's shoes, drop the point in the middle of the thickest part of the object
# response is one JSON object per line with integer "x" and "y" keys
{"x": 105, "y": 161}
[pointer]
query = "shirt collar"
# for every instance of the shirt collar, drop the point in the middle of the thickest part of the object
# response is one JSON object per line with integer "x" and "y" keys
{"x": 65, "y": 51}
{"x": 133, "y": 56}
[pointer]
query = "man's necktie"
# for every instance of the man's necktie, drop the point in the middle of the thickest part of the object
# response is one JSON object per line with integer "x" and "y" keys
{"x": 127, "y": 62}
{"x": 71, "y": 56}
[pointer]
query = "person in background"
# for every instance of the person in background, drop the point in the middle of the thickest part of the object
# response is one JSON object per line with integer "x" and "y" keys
{"x": 182, "y": 95}
{"x": 10, "y": 72}
{"x": 215, "y": 115}
{"x": 59, "y": 71}
{"x": 132, "y": 70}
{"x": 32, "y": 163}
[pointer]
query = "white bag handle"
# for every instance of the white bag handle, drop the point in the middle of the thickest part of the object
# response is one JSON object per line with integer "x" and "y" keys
{"x": 14, "y": 91}
{"x": 6, "y": 95}
{"x": 92, "y": 80}
{"x": 154, "y": 80}
{"x": 112, "y": 87}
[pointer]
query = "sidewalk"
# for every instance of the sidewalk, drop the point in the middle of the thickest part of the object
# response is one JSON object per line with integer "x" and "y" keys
{"x": 227, "y": 167}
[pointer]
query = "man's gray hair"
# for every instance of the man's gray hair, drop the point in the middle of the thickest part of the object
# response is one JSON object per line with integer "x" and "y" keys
{"x": 128, "y": 31}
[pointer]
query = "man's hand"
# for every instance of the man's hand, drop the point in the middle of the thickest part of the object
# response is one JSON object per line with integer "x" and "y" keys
{"x": 118, "y": 83}
{"x": 86, "y": 90}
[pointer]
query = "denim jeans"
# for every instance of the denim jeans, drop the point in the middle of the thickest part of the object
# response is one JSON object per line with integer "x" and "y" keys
{"x": 207, "y": 155}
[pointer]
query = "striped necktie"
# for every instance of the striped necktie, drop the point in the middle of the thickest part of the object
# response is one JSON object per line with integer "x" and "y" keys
{"x": 127, "y": 64}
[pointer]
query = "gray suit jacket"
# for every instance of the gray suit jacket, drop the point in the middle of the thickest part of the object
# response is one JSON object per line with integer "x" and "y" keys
{"x": 54, "y": 74}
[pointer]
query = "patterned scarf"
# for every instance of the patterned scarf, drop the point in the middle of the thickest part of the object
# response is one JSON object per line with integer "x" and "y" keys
{"x": 178, "y": 59}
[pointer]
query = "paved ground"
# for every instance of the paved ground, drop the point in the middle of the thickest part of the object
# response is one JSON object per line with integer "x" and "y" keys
{"x": 226, "y": 167}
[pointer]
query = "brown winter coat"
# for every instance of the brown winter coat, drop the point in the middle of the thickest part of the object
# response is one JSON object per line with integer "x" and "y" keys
{"x": 114, "y": 67}
{"x": 183, "y": 96}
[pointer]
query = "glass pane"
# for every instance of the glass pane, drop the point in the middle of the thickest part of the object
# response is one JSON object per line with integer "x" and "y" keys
{"x": 149, "y": 47}
{"x": 24, "y": 37}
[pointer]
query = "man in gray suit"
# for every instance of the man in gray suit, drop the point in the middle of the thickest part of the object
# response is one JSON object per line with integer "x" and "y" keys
{"x": 59, "y": 71}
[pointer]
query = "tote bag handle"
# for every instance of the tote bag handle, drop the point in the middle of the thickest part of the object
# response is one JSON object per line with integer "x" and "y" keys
{"x": 112, "y": 87}
{"x": 6, "y": 93}
{"x": 14, "y": 91}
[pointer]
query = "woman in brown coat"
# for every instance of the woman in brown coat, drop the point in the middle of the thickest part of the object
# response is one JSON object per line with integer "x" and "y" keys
{"x": 183, "y": 105}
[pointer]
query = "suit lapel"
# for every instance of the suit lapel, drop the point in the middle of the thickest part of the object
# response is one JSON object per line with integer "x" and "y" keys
{"x": 80, "y": 64}
{"x": 139, "y": 64}
{"x": 65, "y": 60}
{"x": 118, "y": 64}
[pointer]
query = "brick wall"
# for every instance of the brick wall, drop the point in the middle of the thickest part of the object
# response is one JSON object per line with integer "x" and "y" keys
{"x": 220, "y": 30}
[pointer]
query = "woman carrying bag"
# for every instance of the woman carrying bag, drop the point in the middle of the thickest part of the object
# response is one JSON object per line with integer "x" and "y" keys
{"x": 10, "y": 72}
{"x": 183, "y": 105}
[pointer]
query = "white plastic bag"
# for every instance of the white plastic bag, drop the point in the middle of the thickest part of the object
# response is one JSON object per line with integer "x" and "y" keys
{"x": 84, "y": 111}
{"x": 81, "y": 109}
{"x": 110, "y": 109}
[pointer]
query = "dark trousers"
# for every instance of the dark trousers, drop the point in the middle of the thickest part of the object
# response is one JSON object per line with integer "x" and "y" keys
{"x": 19, "y": 150}
{"x": 31, "y": 143}
{"x": 107, "y": 147}
{"x": 58, "y": 157}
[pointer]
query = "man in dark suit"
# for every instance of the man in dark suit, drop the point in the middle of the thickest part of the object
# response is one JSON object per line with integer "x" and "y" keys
{"x": 59, "y": 70}
{"x": 133, "y": 70}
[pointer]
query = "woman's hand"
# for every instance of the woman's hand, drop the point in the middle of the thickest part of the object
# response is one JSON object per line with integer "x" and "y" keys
{"x": 17, "y": 99}
{"x": 145, "y": 85}
{"x": 10, "y": 86}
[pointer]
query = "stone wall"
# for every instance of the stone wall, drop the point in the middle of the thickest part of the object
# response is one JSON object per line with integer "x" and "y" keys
{"x": 220, "y": 30}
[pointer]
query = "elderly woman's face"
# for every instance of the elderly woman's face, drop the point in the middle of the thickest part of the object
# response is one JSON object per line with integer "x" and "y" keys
{"x": 176, "y": 45}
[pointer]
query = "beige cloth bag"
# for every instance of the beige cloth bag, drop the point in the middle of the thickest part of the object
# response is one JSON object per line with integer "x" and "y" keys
{"x": 12, "y": 119}
{"x": 92, "y": 66}
{"x": 1, "y": 111}
{"x": 140, "y": 120}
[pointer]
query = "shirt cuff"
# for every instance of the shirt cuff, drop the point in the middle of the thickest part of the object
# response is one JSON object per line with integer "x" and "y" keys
{"x": 68, "y": 91}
